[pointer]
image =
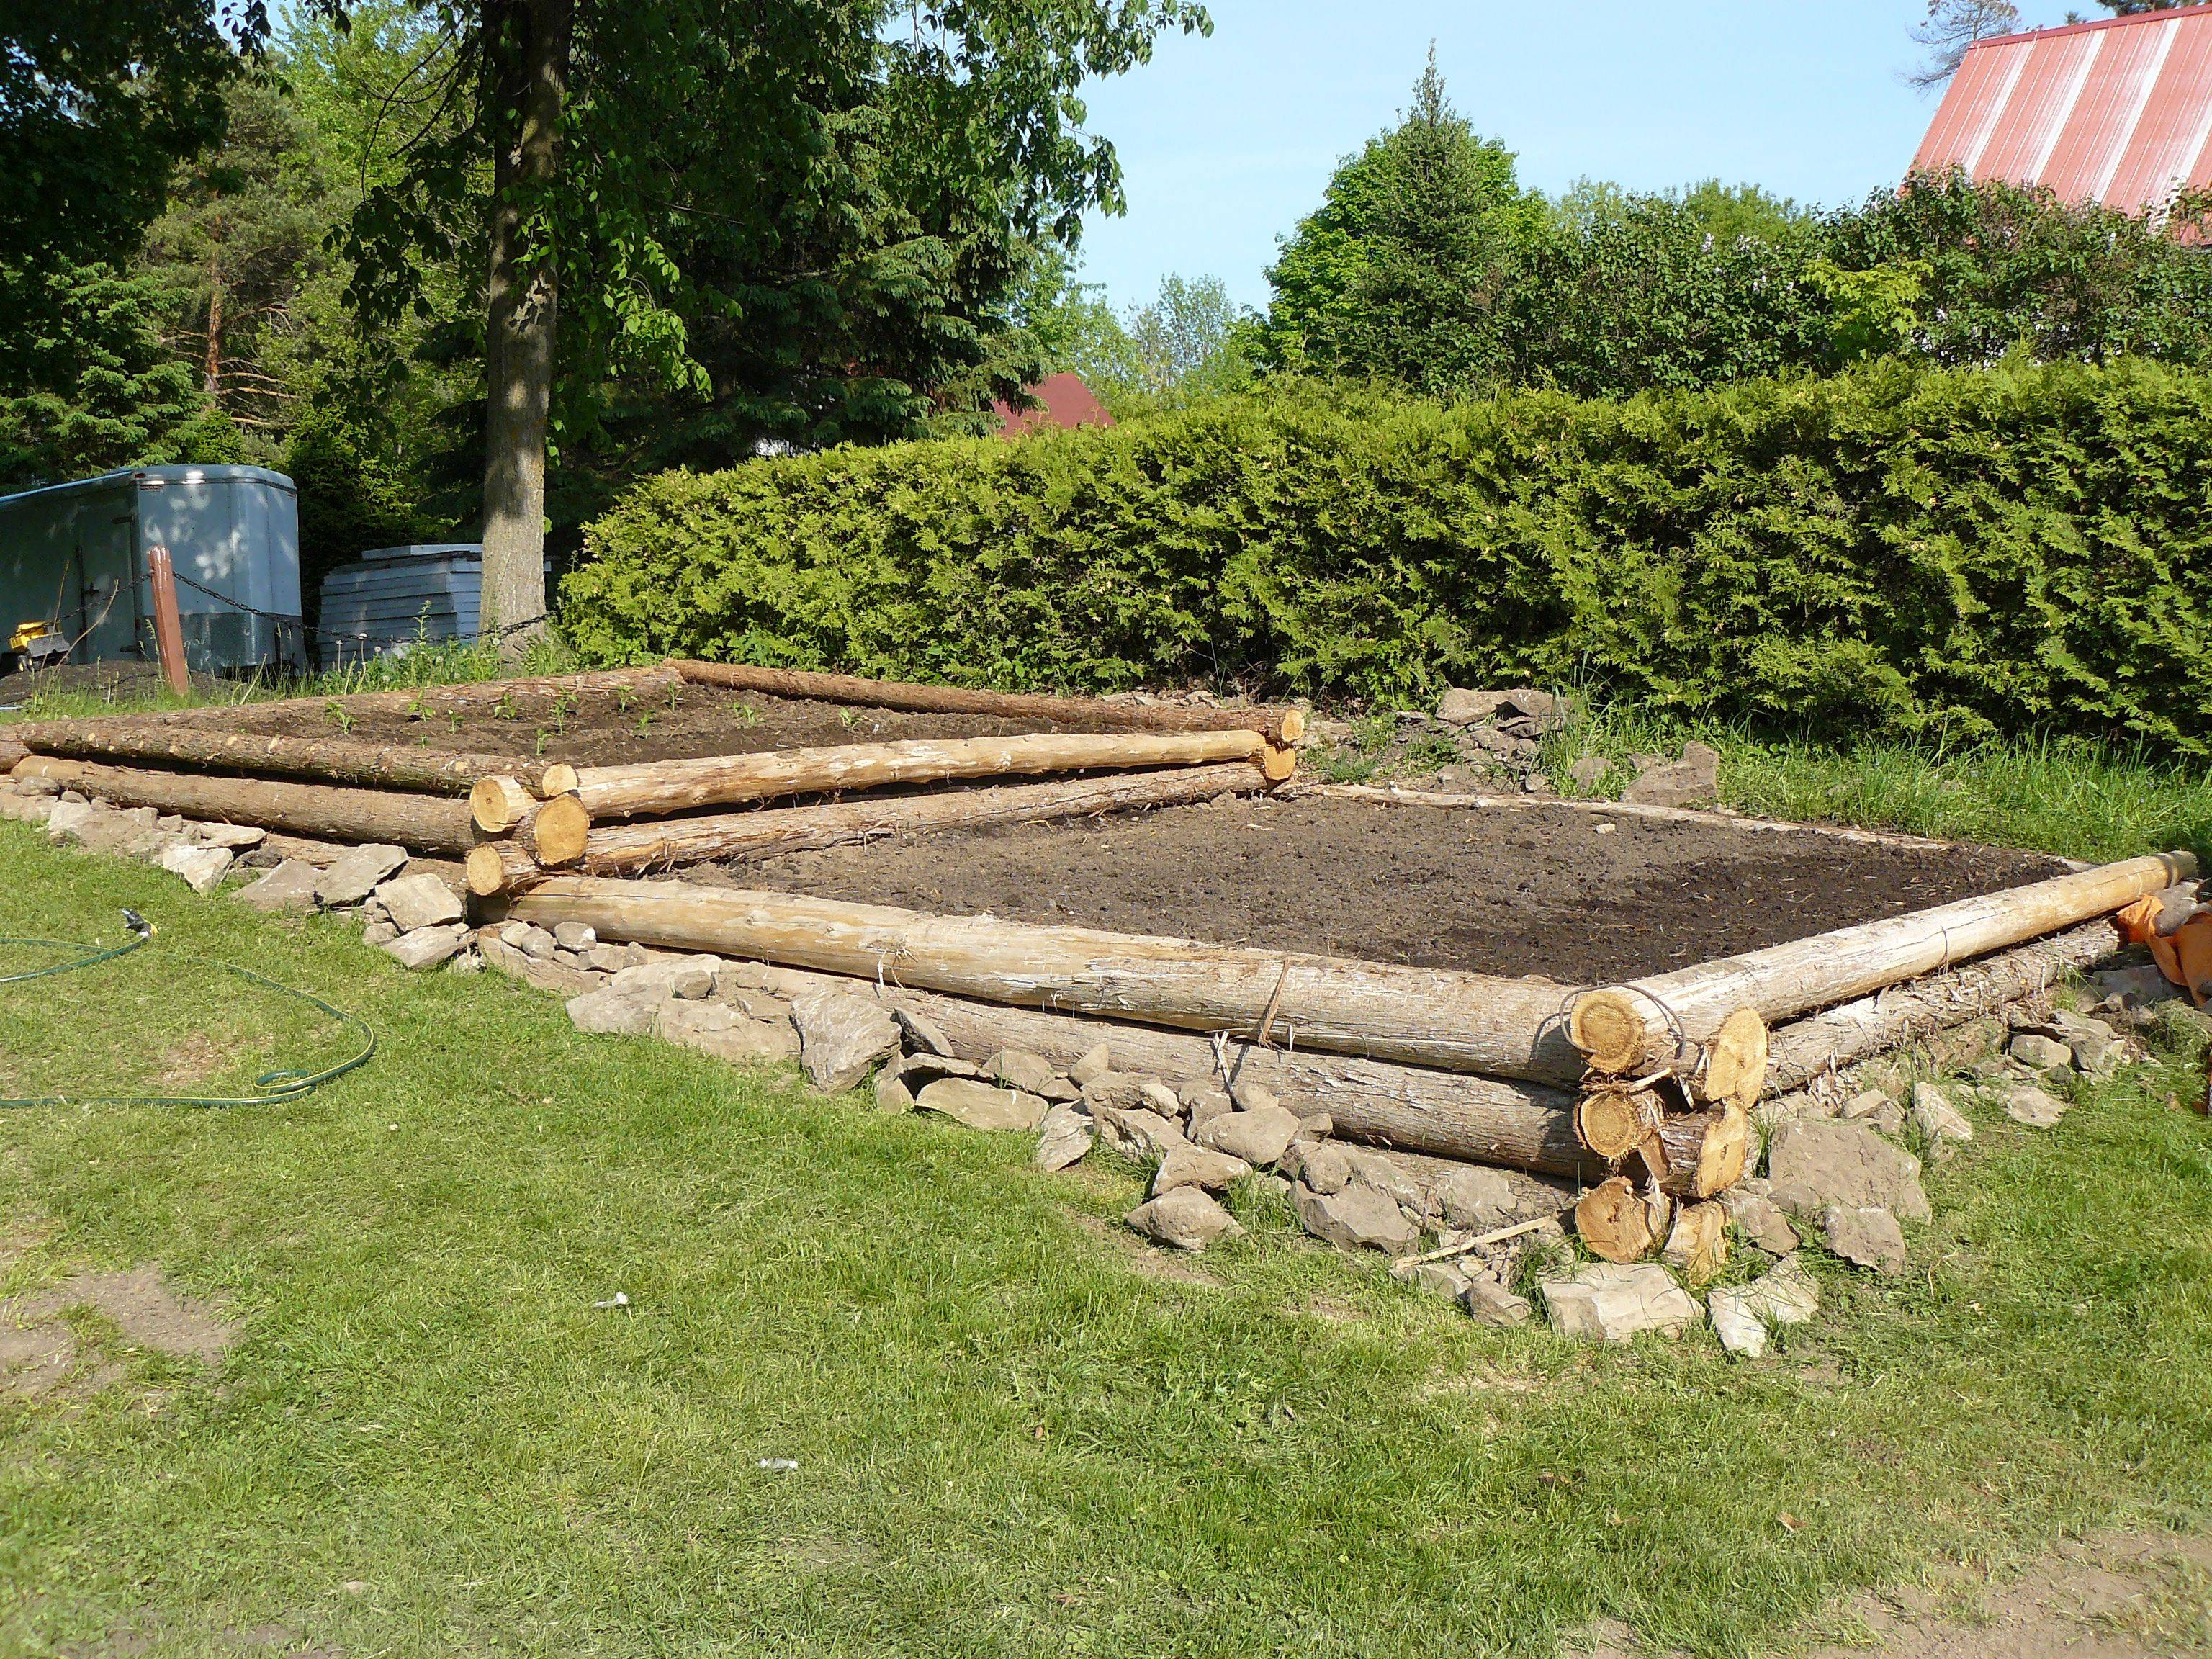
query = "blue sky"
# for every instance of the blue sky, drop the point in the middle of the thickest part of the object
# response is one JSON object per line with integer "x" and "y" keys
{"x": 1226, "y": 141}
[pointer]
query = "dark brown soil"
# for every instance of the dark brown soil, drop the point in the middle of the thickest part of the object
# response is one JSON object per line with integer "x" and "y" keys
{"x": 604, "y": 729}
{"x": 1507, "y": 890}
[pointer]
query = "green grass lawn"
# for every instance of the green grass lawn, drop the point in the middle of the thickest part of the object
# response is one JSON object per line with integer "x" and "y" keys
{"x": 1016, "y": 1434}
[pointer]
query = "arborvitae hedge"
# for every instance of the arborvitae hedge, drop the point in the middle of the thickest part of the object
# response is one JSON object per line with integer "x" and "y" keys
{"x": 2011, "y": 549}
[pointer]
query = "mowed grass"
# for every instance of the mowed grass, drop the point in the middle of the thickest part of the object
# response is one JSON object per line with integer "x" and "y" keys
{"x": 1014, "y": 1434}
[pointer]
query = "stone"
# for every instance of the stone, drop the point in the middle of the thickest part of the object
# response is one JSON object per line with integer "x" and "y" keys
{"x": 613, "y": 958}
{"x": 1488, "y": 1302}
{"x": 1355, "y": 1218}
{"x": 1195, "y": 1166}
{"x": 1587, "y": 773}
{"x": 239, "y": 837}
{"x": 1257, "y": 1138}
{"x": 546, "y": 974}
{"x": 67, "y": 821}
{"x": 1322, "y": 1166}
{"x": 1611, "y": 1301}
{"x": 1744, "y": 1315}
{"x": 1185, "y": 1218}
{"x": 925, "y": 1066}
{"x": 420, "y": 900}
{"x": 1814, "y": 1162}
{"x": 532, "y": 941}
{"x": 1200, "y": 1105}
{"x": 202, "y": 867}
{"x": 981, "y": 1105}
{"x": 1254, "y": 1098}
{"x": 841, "y": 1036}
{"x": 426, "y": 947}
{"x": 379, "y": 933}
{"x": 691, "y": 978}
{"x": 1540, "y": 706}
{"x": 1436, "y": 1278}
{"x": 2036, "y": 1107}
{"x": 289, "y": 886}
{"x": 1317, "y": 1125}
{"x": 1066, "y": 1135}
{"x": 1018, "y": 1068}
{"x": 357, "y": 872}
{"x": 2136, "y": 988}
{"x": 609, "y": 1012}
{"x": 1759, "y": 1220}
{"x": 1137, "y": 1133}
{"x": 892, "y": 1094}
{"x": 922, "y": 1032}
{"x": 1475, "y": 1197}
{"x": 576, "y": 959}
{"x": 1935, "y": 1117}
{"x": 1867, "y": 1235}
{"x": 2094, "y": 1046}
{"x": 1131, "y": 1091}
{"x": 723, "y": 1032}
{"x": 47, "y": 787}
{"x": 2039, "y": 1053}
{"x": 1387, "y": 1175}
{"x": 576, "y": 935}
{"x": 761, "y": 1005}
{"x": 1096, "y": 1063}
{"x": 1461, "y": 707}
{"x": 1693, "y": 781}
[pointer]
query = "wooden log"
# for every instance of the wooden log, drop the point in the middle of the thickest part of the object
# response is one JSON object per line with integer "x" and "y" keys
{"x": 559, "y": 831}
{"x": 1632, "y": 1029}
{"x": 1452, "y": 1021}
{"x": 1613, "y": 1221}
{"x": 1733, "y": 1070}
{"x": 469, "y": 696}
{"x": 1523, "y": 1126}
{"x": 1696, "y": 1243}
{"x": 1696, "y": 1154}
{"x": 141, "y": 742}
{"x": 1805, "y": 1049}
{"x": 1282, "y": 726}
{"x": 1614, "y": 1122}
{"x": 657, "y": 787}
{"x": 634, "y": 848}
{"x": 427, "y": 824}
{"x": 501, "y": 803}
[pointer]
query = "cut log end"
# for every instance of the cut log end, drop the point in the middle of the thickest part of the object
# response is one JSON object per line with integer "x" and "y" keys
{"x": 1612, "y": 1123}
{"x": 497, "y": 804}
{"x": 1735, "y": 1069}
{"x": 1696, "y": 1154}
{"x": 1613, "y": 1221}
{"x": 559, "y": 835}
{"x": 487, "y": 867}
{"x": 1608, "y": 1027}
{"x": 1278, "y": 763}
{"x": 1289, "y": 728}
{"x": 1696, "y": 1243}
{"x": 558, "y": 779}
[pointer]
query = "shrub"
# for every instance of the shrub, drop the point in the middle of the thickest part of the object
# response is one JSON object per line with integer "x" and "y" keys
{"x": 1899, "y": 548}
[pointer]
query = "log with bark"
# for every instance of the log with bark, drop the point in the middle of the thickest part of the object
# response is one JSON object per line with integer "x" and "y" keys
{"x": 1523, "y": 1126}
{"x": 1439, "y": 1018}
{"x": 1635, "y": 1028}
{"x": 1696, "y": 1154}
{"x": 1281, "y": 725}
{"x": 1612, "y": 1123}
{"x": 507, "y": 866}
{"x": 656, "y": 789}
{"x": 1618, "y": 1223}
{"x": 468, "y": 698}
{"x": 390, "y": 766}
{"x": 426, "y": 823}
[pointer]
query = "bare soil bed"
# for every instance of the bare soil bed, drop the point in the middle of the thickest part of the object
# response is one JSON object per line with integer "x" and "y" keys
{"x": 1514, "y": 891}
{"x": 604, "y": 729}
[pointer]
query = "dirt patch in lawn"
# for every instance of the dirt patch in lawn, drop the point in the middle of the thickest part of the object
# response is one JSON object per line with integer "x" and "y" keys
{"x": 615, "y": 728}
{"x": 39, "y": 1352}
{"x": 1538, "y": 890}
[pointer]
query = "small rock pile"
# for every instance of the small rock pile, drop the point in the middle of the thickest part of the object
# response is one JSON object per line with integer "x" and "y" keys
{"x": 201, "y": 854}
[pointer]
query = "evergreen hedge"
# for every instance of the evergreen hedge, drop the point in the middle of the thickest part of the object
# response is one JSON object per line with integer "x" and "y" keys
{"x": 1986, "y": 552}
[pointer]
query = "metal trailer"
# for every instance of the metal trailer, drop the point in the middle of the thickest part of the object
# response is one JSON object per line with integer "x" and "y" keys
{"x": 73, "y": 562}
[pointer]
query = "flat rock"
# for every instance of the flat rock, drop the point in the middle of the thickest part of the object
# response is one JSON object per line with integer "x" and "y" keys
{"x": 1131, "y": 1091}
{"x": 1095, "y": 1062}
{"x": 922, "y": 1032}
{"x": 1693, "y": 781}
{"x": 1202, "y": 1104}
{"x": 1611, "y": 1301}
{"x": 1355, "y": 1218}
{"x": 1066, "y": 1135}
{"x": 1196, "y": 1166}
{"x": 1476, "y": 1197}
{"x": 537, "y": 943}
{"x": 1019, "y": 1069}
{"x": 426, "y": 947}
{"x": 1461, "y": 707}
{"x": 1185, "y": 1218}
{"x": 1744, "y": 1315}
{"x": 2040, "y": 1053}
{"x": 1321, "y": 1164}
{"x": 574, "y": 935}
{"x": 239, "y": 837}
{"x": 1814, "y": 1162}
{"x": 609, "y": 1012}
{"x": 2034, "y": 1106}
{"x": 724, "y": 1031}
{"x": 1934, "y": 1115}
{"x": 420, "y": 900}
{"x": 1257, "y": 1138}
{"x": 1491, "y": 1303}
{"x": 1761, "y": 1220}
{"x": 981, "y": 1105}
{"x": 1866, "y": 1235}
{"x": 893, "y": 1092}
{"x": 202, "y": 867}
{"x": 357, "y": 872}
{"x": 1138, "y": 1132}
{"x": 544, "y": 973}
{"x": 1436, "y": 1278}
{"x": 689, "y": 977}
{"x": 1394, "y": 1180}
{"x": 613, "y": 958}
{"x": 289, "y": 886}
{"x": 379, "y": 933}
{"x": 67, "y": 820}
{"x": 841, "y": 1036}
{"x": 2136, "y": 988}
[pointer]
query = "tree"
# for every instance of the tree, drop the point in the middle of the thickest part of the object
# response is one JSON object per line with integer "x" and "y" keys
{"x": 772, "y": 211}
{"x": 1951, "y": 26}
{"x": 1397, "y": 272}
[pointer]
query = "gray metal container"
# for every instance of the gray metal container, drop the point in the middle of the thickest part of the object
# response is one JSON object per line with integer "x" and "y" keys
{"x": 73, "y": 556}
{"x": 396, "y": 597}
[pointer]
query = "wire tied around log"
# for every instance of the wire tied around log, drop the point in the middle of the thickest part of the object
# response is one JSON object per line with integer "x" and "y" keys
{"x": 1686, "y": 1055}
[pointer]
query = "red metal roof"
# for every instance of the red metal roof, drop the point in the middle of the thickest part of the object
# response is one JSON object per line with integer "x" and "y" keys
{"x": 1068, "y": 403}
{"x": 2118, "y": 112}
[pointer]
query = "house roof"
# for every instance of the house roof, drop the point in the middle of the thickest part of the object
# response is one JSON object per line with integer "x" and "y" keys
{"x": 1066, "y": 403}
{"x": 2118, "y": 112}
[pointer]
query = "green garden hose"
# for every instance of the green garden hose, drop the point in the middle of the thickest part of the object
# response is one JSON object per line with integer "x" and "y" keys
{"x": 284, "y": 1083}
